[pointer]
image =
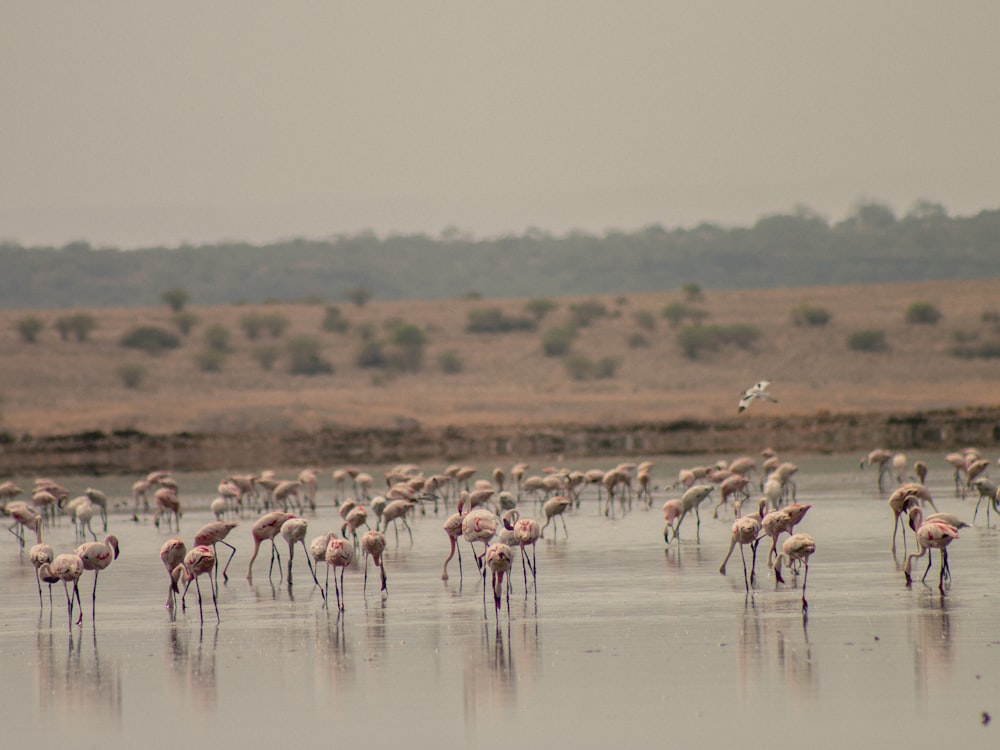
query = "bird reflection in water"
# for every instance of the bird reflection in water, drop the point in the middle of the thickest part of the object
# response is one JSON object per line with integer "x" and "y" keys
{"x": 771, "y": 649}
{"x": 931, "y": 631}
{"x": 75, "y": 684}
{"x": 192, "y": 667}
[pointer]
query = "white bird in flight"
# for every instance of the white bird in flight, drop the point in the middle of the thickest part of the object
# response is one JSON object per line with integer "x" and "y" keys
{"x": 757, "y": 391}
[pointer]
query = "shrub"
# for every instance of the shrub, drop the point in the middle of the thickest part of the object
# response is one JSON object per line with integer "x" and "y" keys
{"x": 185, "y": 320}
{"x": 175, "y": 298}
{"x": 578, "y": 367}
{"x": 557, "y": 340}
{"x": 678, "y": 312}
{"x": 990, "y": 316}
{"x": 334, "y": 321}
{"x": 210, "y": 360}
{"x": 266, "y": 356}
{"x": 638, "y": 341}
{"x": 360, "y": 295}
{"x": 645, "y": 320}
{"x": 867, "y": 341}
{"x": 132, "y": 374}
{"x": 150, "y": 339}
{"x": 692, "y": 291}
{"x": 29, "y": 327}
{"x": 584, "y": 313}
{"x": 371, "y": 354}
{"x": 606, "y": 367}
{"x": 493, "y": 320}
{"x": 539, "y": 307}
{"x": 450, "y": 362}
{"x": 217, "y": 338}
{"x": 252, "y": 324}
{"x": 923, "y": 313}
{"x": 409, "y": 341}
{"x": 987, "y": 350}
{"x": 79, "y": 325}
{"x": 694, "y": 340}
{"x": 810, "y": 315}
{"x": 276, "y": 324}
{"x": 304, "y": 352}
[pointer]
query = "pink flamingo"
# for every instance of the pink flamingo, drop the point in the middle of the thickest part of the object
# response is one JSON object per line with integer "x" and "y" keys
{"x": 97, "y": 556}
{"x": 293, "y": 531}
{"x": 744, "y": 532}
{"x": 267, "y": 527}
{"x": 797, "y": 548}
{"x": 499, "y": 559}
{"x": 171, "y": 555}
{"x": 479, "y": 525}
{"x": 39, "y": 554}
{"x": 65, "y": 568}
{"x": 339, "y": 554}
{"x": 197, "y": 562}
{"x": 215, "y": 533}
{"x": 453, "y": 528}
{"x": 556, "y": 507}
{"x": 934, "y": 534}
{"x": 373, "y": 545}
{"x": 672, "y": 510}
{"x": 527, "y": 532}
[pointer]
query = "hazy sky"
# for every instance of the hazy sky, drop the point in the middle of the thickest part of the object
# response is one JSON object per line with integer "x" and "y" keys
{"x": 134, "y": 123}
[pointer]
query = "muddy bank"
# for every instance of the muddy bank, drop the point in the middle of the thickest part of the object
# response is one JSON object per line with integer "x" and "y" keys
{"x": 127, "y": 452}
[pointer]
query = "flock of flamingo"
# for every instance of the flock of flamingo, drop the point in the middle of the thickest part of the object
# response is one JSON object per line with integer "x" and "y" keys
{"x": 487, "y": 516}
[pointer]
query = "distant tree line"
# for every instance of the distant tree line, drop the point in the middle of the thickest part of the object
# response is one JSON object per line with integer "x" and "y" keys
{"x": 797, "y": 249}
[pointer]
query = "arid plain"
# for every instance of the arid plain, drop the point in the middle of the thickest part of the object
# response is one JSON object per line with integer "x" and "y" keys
{"x": 55, "y": 386}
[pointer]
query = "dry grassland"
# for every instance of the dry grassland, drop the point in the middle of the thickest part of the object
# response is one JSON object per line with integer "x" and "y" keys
{"x": 56, "y": 387}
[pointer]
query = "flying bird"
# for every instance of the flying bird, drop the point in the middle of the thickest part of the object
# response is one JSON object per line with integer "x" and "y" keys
{"x": 757, "y": 391}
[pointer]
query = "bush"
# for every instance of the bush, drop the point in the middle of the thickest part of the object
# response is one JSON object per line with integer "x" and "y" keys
{"x": 185, "y": 321}
{"x": 210, "y": 360}
{"x": 990, "y": 316}
{"x": 867, "y": 341}
{"x": 557, "y": 340}
{"x": 132, "y": 374}
{"x": 692, "y": 291}
{"x": 493, "y": 320}
{"x": 694, "y": 340}
{"x": 987, "y": 350}
{"x": 304, "y": 352}
{"x": 638, "y": 341}
{"x": 276, "y": 324}
{"x": 175, "y": 298}
{"x": 606, "y": 367}
{"x": 29, "y": 328}
{"x": 371, "y": 354}
{"x": 217, "y": 338}
{"x": 334, "y": 321}
{"x": 360, "y": 295}
{"x": 580, "y": 367}
{"x": 645, "y": 320}
{"x": 923, "y": 313}
{"x": 150, "y": 339}
{"x": 79, "y": 325}
{"x": 450, "y": 362}
{"x": 409, "y": 341}
{"x": 266, "y": 356}
{"x": 810, "y": 315}
{"x": 584, "y": 313}
{"x": 539, "y": 307}
{"x": 678, "y": 312}
{"x": 252, "y": 324}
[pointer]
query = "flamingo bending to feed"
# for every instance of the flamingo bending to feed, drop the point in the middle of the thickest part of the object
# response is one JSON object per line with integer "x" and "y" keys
{"x": 744, "y": 532}
{"x": 267, "y": 527}
{"x": 797, "y": 548}
{"x": 197, "y": 562}
{"x": 171, "y": 555}
{"x": 373, "y": 545}
{"x": 934, "y": 534}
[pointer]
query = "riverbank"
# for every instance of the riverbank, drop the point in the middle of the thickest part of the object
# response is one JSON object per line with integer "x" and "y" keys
{"x": 130, "y": 451}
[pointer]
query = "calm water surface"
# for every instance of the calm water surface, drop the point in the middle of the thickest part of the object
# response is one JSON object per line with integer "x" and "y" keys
{"x": 623, "y": 640}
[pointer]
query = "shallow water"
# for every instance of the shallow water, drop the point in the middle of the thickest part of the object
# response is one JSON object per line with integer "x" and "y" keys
{"x": 624, "y": 639}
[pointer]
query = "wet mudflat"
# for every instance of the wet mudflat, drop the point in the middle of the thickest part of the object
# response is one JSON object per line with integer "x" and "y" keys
{"x": 625, "y": 639}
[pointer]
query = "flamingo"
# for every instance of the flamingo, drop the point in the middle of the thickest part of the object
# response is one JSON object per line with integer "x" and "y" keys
{"x": 317, "y": 551}
{"x": 879, "y": 457}
{"x": 744, "y": 532}
{"x": 397, "y": 510}
{"x": 39, "y": 554}
{"x": 267, "y": 527}
{"x": 97, "y": 556}
{"x": 690, "y": 500}
{"x": 171, "y": 555}
{"x": 355, "y": 518}
{"x": 373, "y": 545}
{"x": 527, "y": 532}
{"x": 555, "y": 507}
{"x": 24, "y": 518}
{"x": 934, "y": 534}
{"x": 65, "y": 568}
{"x": 197, "y": 562}
{"x": 214, "y": 533}
{"x": 798, "y": 547}
{"x": 294, "y": 532}
{"x": 339, "y": 554}
{"x": 499, "y": 558}
{"x": 453, "y": 528}
{"x": 479, "y": 525}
